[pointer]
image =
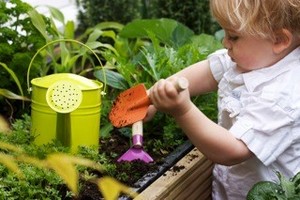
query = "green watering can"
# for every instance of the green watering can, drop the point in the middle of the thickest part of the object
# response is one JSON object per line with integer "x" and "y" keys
{"x": 65, "y": 107}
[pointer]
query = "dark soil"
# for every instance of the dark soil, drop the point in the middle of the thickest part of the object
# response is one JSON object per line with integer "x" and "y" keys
{"x": 114, "y": 147}
{"x": 134, "y": 172}
{"x": 118, "y": 145}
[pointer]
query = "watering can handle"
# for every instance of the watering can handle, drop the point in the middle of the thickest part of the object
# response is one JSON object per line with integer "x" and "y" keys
{"x": 64, "y": 40}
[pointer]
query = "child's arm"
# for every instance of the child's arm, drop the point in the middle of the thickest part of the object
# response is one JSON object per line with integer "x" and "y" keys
{"x": 217, "y": 143}
{"x": 214, "y": 141}
{"x": 200, "y": 78}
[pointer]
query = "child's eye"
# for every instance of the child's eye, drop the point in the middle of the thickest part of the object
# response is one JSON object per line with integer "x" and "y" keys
{"x": 233, "y": 38}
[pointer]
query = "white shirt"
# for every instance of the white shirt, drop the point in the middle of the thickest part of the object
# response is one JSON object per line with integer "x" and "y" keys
{"x": 261, "y": 108}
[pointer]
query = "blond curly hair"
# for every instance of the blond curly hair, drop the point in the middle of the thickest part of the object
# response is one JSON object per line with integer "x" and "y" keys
{"x": 258, "y": 17}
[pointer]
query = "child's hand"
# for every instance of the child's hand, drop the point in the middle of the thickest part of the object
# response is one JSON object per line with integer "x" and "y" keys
{"x": 166, "y": 98}
{"x": 150, "y": 113}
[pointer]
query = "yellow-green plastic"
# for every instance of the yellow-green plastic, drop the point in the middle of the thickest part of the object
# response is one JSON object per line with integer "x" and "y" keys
{"x": 84, "y": 121}
{"x": 64, "y": 96}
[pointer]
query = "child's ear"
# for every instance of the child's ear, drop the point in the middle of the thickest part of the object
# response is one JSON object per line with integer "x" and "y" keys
{"x": 283, "y": 40}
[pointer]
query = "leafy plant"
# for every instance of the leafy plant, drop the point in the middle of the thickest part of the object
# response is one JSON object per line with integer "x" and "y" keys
{"x": 283, "y": 190}
{"x": 151, "y": 50}
{"x": 39, "y": 172}
{"x": 15, "y": 78}
{"x": 19, "y": 41}
{"x": 76, "y": 56}
{"x": 68, "y": 56}
{"x": 143, "y": 47}
{"x": 10, "y": 95}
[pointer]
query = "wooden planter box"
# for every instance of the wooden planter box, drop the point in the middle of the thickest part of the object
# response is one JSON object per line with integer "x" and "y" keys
{"x": 190, "y": 178}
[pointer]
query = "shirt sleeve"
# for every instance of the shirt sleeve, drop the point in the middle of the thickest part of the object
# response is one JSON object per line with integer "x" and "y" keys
{"x": 266, "y": 127}
{"x": 219, "y": 62}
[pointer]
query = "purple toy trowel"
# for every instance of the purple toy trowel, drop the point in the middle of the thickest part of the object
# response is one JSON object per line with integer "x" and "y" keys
{"x": 136, "y": 152}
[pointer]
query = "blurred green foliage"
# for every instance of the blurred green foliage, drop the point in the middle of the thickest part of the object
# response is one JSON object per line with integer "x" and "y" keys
{"x": 195, "y": 14}
{"x": 18, "y": 42}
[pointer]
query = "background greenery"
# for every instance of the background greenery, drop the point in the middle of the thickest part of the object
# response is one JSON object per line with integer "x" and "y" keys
{"x": 131, "y": 49}
{"x": 18, "y": 42}
{"x": 194, "y": 14}
{"x": 140, "y": 51}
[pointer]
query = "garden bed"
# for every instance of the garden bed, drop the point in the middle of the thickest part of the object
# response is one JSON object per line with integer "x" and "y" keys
{"x": 183, "y": 173}
{"x": 137, "y": 175}
{"x": 140, "y": 175}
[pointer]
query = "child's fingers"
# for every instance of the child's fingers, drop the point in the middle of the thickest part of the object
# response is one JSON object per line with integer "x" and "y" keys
{"x": 150, "y": 113}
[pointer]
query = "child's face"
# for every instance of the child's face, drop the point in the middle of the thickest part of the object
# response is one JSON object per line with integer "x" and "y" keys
{"x": 249, "y": 52}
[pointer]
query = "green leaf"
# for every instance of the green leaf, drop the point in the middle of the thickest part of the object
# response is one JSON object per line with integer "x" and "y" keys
{"x": 109, "y": 25}
{"x": 287, "y": 186}
{"x": 56, "y": 14}
{"x": 110, "y": 34}
{"x": 296, "y": 180}
{"x": 65, "y": 56}
{"x": 265, "y": 190}
{"x": 113, "y": 79}
{"x": 95, "y": 45}
{"x": 108, "y": 29}
{"x": 151, "y": 67}
{"x": 285, "y": 189}
{"x": 10, "y": 95}
{"x": 167, "y": 31}
{"x": 180, "y": 35}
{"x": 71, "y": 62}
{"x": 69, "y": 30}
{"x": 105, "y": 131}
{"x": 94, "y": 35}
{"x": 39, "y": 23}
{"x": 13, "y": 75}
{"x": 206, "y": 43}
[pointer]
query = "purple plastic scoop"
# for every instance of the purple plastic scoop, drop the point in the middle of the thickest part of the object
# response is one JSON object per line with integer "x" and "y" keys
{"x": 136, "y": 152}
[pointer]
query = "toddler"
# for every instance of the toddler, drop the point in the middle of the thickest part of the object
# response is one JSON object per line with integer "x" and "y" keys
{"x": 257, "y": 77}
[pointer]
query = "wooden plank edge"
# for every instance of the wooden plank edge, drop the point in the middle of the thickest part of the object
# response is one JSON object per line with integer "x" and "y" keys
{"x": 167, "y": 182}
{"x": 196, "y": 182}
